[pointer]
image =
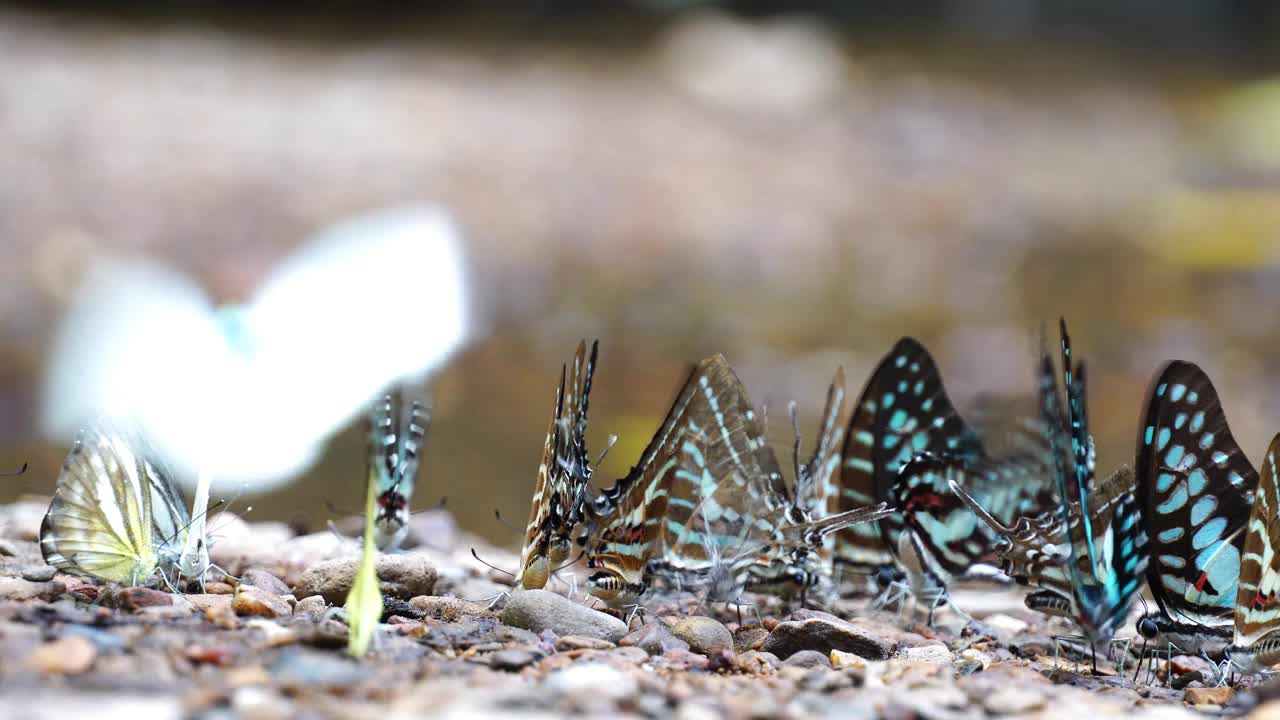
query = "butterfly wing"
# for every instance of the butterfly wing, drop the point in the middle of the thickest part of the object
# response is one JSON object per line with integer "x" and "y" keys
{"x": 114, "y": 513}
{"x": 544, "y": 518}
{"x": 816, "y": 490}
{"x": 1195, "y": 487}
{"x": 1257, "y": 610}
{"x": 903, "y": 411}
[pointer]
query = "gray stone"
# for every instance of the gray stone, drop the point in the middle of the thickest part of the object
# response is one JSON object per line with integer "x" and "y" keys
{"x": 448, "y": 609}
{"x": 824, "y": 635}
{"x": 654, "y": 639}
{"x": 512, "y": 659}
{"x": 259, "y": 578}
{"x": 312, "y": 607}
{"x": 808, "y": 659}
{"x": 403, "y": 576}
{"x": 12, "y": 588}
{"x": 1013, "y": 701}
{"x": 931, "y": 653}
{"x": 706, "y": 636}
{"x": 539, "y": 610}
{"x": 39, "y": 573}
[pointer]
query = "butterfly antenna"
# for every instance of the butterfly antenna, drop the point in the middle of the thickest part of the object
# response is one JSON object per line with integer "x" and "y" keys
{"x": 608, "y": 445}
{"x": 491, "y": 566}
{"x": 570, "y": 563}
{"x": 191, "y": 522}
{"x": 15, "y": 473}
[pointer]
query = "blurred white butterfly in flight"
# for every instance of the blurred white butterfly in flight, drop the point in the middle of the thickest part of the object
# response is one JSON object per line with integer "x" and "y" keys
{"x": 250, "y": 393}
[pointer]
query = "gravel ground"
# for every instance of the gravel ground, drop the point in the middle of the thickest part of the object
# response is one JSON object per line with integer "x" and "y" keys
{"x": 269, "y": 645}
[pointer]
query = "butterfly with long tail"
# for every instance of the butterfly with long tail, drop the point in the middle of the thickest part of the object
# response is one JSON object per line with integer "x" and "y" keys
{"x": 1195, "y": 487}
{"x": 1088, "y": 558}
{"x": 116, "y": 514}
{"x": 396, "y": 435}
{"x": 562, "y": 488}
{"x": 1255, "y": 644}
{"x": 729, "y": 494}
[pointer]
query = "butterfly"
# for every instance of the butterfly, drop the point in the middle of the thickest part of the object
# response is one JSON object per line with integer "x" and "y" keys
{"x": 116, "y": 515}
{"x": 1195, "y": 487}
{"x": 395, "y": 440}
{"x": 728, "y": 494}
{"x": 903, "y": 412}
{"x": 562, "y": 488}
{"x": 205, "y": 385}
{"x": 1256, "y": 641}
{"x": 363, "y": 604}
{"x": 1088, "y": 556}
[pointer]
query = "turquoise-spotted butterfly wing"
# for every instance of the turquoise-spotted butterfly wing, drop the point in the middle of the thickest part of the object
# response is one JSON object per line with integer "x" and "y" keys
{"x": 1195, "y": 486}
{"x": 903, "y": 411}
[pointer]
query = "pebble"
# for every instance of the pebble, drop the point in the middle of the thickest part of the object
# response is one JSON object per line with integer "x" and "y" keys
{"x": 539, "y": 610}
{"x": 577, "y": 642}
{"x": 448, "y": 609}
{"x": 312, "y": 607}
{"x": 220, "y": 655}
{"x": 222, "y": 615}
{"x": 824, "y": 635}
{"x": 512, "y": 659}
{"x": 260, "y": 578}
{"x": 750, "y": 637}
{"x": 250, "y": 600}
{"x": 1005, "y": 624}
{"x": 808, "y": 659}
{"x": 39, "y": 573}
{"x": 1207, "y": 696}
{"x": 706, "y": 636}
{"x": 402, "y": 576}
{"x": 847, "y": 660}
{"x": 1013, "y": 701}
{"x": 310, "y": 669}
{"x": 758, "y": 663}
{"x": 274, "y": 634}
{"x": 1181, "y": 682}
{"x": 12, "y": 588}
{"x": 653, "y": 638}
{"x": 682, "y": 659}
{"x": 71, "y": 655}
{"x": 219, "y": 588}
{"x": 599, "y": 679}
{"x": 137, "y": 598}
{"x": 932, "y": 653}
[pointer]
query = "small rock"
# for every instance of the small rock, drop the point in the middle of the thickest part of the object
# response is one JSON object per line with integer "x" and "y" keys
{"x": 259, "y": 578}
{"x": 577, "y": 642}
{"x": 824, "y": 635}
{"x": 847, "y": 661}
{"x": 101, "y": 639}
{"x": 219, "y": 588}
{"x": 1183, "y": 664}
{"x": 1013, "y": 701}
{"x": 137, "y": 598}
{"x": 222, "y": 615}
{"x": 598, "y": 679}
{"x": 261, "y": 703}
{"x": 71, "y": 655}
{"x": 758, "y": 663}
{"x": 681, "y": 659}
{"x": 750, "y": 637}
{"x": 807, "y": 659}
{"x": 654, "y": 639}
{"x": 403, "y": 576}
{"x": 539, "y": 610}
{"x": 1005, "y": 623}
{"x": 312, "y": 607}
{"x": 274, "y": 634}
{"x": 448, "y": 609}
{"x": 706, "y": 636}
{"x": 512, "y": 659}
{"x": 1207, "y": 696}
{"x": 39, "y": 573}
{"x": 1184, "y": 680}
{"x": 933, "y": 653}
{"x": 968, "y": 666}
{"x": 307, "y": 670}
{"x": 254, "y": 601}
{"x": 220, "y": 655}
{"x": 12, "y": 588}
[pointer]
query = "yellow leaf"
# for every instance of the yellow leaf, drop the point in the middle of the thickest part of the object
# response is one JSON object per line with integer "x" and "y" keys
{"x": 364, "y": 602}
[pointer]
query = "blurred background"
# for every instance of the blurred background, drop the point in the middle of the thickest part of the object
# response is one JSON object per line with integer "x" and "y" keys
{"x": 794, "y": 186}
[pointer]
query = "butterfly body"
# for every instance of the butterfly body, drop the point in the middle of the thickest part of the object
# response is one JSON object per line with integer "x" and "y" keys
{"x": 1255, "y": 642}
{"x": 116, "y": 515}
{"x": 396, "y": 434}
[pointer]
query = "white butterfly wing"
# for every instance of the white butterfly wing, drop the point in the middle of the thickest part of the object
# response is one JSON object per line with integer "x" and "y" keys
{"x": 367, "y": 303}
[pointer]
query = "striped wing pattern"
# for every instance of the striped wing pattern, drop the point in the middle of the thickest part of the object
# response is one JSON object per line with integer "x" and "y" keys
{"x": 564, "y": 475}
{"x": 1195, "y": 487}
{"x": 903, "y": 411}
{"x": 817, "y": 492}
{"x": 396, "y": 436}
{"x": 1106, "y": 537}
{"x": 115, "y": 515}
{"x": 1257, "y": 610}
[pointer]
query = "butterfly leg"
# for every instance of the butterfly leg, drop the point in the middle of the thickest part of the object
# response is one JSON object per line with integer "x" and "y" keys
{"x": 1142, "y": 653}
{"x": 1121, "y": 658}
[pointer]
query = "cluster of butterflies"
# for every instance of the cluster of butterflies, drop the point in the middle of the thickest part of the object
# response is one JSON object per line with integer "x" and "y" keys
{"x": 906, "y": 493}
